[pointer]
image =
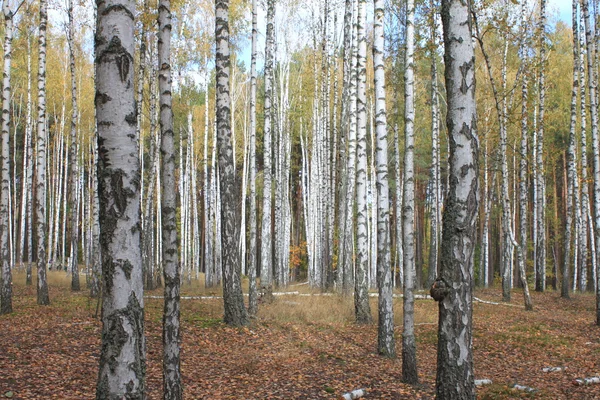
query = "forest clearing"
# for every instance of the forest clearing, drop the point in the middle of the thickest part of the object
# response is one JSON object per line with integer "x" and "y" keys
{"x": 299, "y": 347}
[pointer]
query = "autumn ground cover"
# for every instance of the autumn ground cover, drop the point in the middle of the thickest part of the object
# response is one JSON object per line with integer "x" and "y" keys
{"x": 299, "y": 347}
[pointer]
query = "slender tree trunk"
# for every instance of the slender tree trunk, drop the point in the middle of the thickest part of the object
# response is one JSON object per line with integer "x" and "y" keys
{"x": 435, "y": 151}
{"x": 6, "y": 278}
{"x": 345, "y": 265}
{"x": 171, "y": 335}
{"x": 252, "y": 292}
{"x": 523, "y": 192}
{"x": 266, "y": 269}
{"x": 122, "y": 358}
{"x": 40, "y": 174}
{"x": 74, "y": 176}
{"x": 455, "y": 379}
{"x": 399, "y": 203}
{"x": 591, "y": 82}
{"x": 361, "y": 295}
{"x": 235, "y": 312}
{"x": 409, "y": 346}
{"x": 540, "y": 199}
{"x": 571, "y": 163}
{"x": 386, "y": 341}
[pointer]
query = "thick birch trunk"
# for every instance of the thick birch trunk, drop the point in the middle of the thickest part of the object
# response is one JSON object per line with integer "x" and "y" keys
{"x": 122, "y": 358}
{"x": 455, "y": 378}
{"x": 386, "y": 341}
{"x": 235, "y": 312}
{"x": 409, "y": 346}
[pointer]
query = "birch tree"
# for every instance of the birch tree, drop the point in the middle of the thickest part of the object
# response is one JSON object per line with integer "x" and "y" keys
{"x": 40, "y": 171}
{"x": 593, "y": 109}
{"x": 171, "y": 335}
{"x": 386, "y": 342}
{"x": 361, "y": 295}
{"x": 571, "y": 162}
{"x": 252, "y": 292}
{"x": 74, "y": 175}
{"x": 346, "y": 232}
{"x": 454, "y": 286}
{"x": 122, "y": 358}
{"x": 6, "y": 277}
{"x": 265, "y": 239}
{"x": 409, "y": 346}
{"x": 235, "y": 311}
{"x": 540, "y": 193}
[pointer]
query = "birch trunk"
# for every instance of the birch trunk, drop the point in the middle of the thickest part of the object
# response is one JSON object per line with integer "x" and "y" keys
{"x": 571, "y": 163}
{"x": 386, "y": 341}
{"x": 523, "y": 192}
{"x": 399, "y": 203}
{"x": 455, "y": 378}
{"x": 345, "y": 266}
{"x": 235, "y": 312}
{"x": 252, "y": 292}
{"x": 266, "y": 252}
{"x": 435, "y": 151}
{"x": 40, "y": 174}
{"x": 27, "y": 169}
{"x": 74, "y": 176}
{"x": 409, "y": 346}
{"x": 361, "y": 295}
{"x": 171, "y": 335}
{"x": 591, "y": 83}
{"x": 540, "y": 199}
{"x": 122, "y": 358}
{"x": 6, "y": 278}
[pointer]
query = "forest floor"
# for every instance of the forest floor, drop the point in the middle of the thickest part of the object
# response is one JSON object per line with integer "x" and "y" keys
{"x": 299, "y": 348}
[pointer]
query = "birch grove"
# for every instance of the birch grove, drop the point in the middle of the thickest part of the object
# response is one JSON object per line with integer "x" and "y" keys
{"x": 312, "y": 160}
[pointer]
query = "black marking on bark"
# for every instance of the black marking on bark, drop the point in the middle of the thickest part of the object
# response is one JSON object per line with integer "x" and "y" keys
{"x": 117, "y": 8}
{"x": 101, "y": 98}
{"x": 127, "y": 268}
{"x": 131, "y": 118}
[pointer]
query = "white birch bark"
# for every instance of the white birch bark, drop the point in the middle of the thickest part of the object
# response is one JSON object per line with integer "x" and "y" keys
{"x": 74, "y": 173}
{"x": 266, "y": 252}
{"x": 361, "y": 299}
{"x": 540, "y": 199}
{"x": 409, "y": 347}
{"x": 27, "y": 175}
{"x": 435, "y": 154}
{"x": 385, "y": 336}
{"x": 235, "y": 312}
{"x": 591, "y": 83}
{"x": 40, "y": 175}
{"x": 171, "y": 337}
{"x": 571, "y": 165}
{"x": 122, "y": 358}
{"x": 6, "y": 278}
{"x": 252, "y": 266}
{"x": 455, "y": 379}
{"x": 399, "y": 204}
